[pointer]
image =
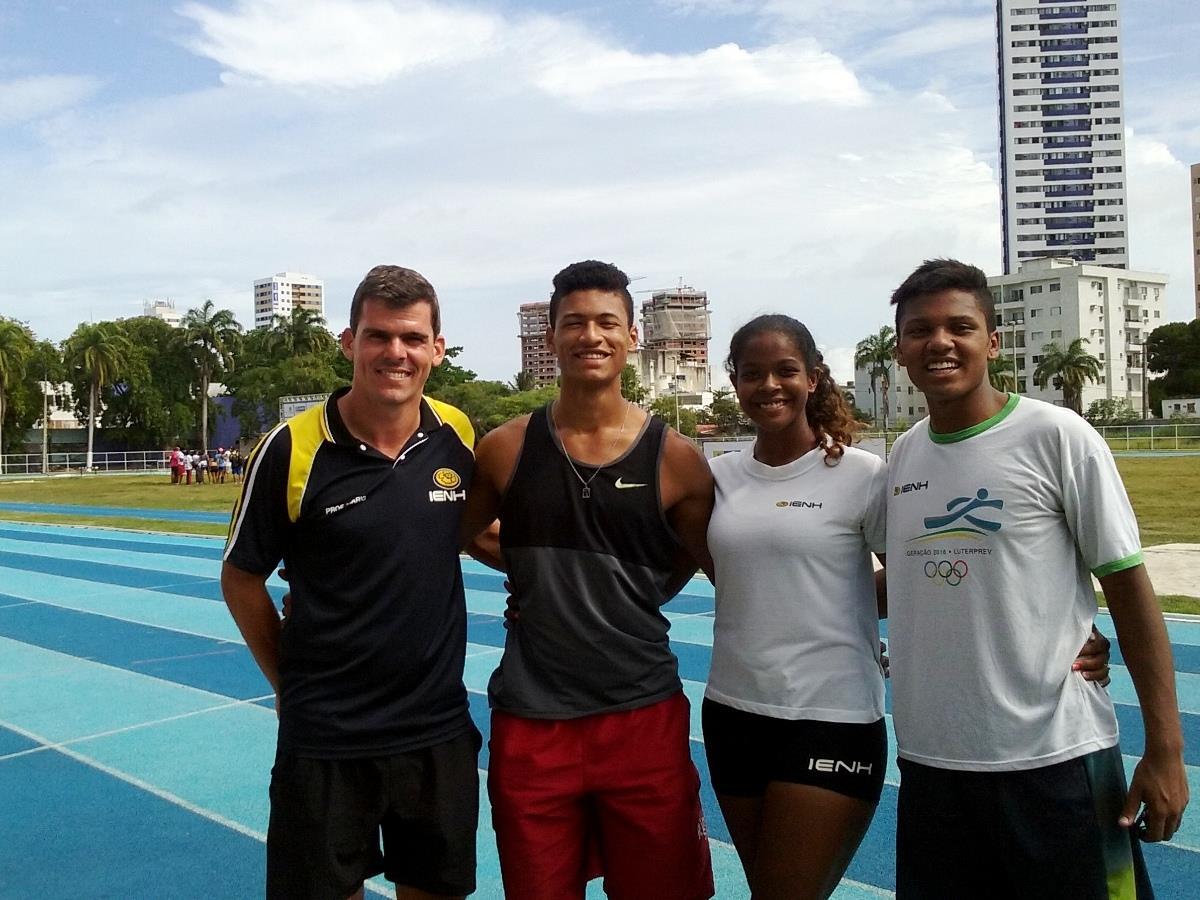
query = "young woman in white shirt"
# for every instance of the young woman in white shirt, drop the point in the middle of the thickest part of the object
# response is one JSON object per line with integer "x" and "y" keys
{"x": 794, "y": 710}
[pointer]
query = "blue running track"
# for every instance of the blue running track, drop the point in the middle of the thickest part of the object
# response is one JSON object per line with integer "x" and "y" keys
{"x": 137, "y": 735}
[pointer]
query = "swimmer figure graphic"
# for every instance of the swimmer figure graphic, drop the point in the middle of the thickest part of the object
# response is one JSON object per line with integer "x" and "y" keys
{"x": 980, "y": 500}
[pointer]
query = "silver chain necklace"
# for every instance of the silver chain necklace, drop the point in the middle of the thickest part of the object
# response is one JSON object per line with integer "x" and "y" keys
{"x": 586, "y": 493}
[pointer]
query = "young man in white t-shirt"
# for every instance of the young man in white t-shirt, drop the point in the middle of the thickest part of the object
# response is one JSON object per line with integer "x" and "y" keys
{"x": 1000, "y": 508}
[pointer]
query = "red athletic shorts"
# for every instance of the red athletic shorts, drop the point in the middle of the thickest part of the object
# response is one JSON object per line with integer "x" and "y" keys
{"x": 613, "y": 794}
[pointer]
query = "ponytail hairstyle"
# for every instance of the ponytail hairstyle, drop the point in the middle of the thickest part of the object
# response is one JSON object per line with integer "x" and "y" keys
{"x": 827, "y": 412}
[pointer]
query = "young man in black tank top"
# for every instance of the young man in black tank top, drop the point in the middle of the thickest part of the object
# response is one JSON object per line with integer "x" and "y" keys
{"x": 601, "y": 510}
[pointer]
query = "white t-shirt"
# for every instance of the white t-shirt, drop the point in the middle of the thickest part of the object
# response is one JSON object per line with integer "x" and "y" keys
{"x": 797, "y": 626}
{"x": 992, "y": 534}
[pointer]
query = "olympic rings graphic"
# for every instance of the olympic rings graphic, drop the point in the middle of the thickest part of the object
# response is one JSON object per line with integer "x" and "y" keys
{"x": 951, "y": 572}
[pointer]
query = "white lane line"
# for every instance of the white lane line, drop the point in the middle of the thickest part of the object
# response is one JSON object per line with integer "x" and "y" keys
{"x": 232, "y": 648}
{"x": 59, "y": 745}
{"x": 141, "y": 784}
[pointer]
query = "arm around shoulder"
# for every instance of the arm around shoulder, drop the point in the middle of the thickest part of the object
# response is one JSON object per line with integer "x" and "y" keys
{"x": 496, "y": 457}
{"x": 688, "y": 492}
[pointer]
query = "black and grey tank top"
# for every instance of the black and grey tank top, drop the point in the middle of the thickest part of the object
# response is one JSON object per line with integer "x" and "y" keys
{"x": 588, "y": 576}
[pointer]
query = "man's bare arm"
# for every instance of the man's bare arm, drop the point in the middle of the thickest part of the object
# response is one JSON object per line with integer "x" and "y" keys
{"x": 495, "y": 459}
{"x": 256, "y": 617}
{"x": 485, "y": 547}
{"x": 688, "y": 495}
{"x": 1160, "y": 779}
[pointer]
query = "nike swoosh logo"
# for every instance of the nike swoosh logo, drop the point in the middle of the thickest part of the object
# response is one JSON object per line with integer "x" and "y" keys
{"x": 621, "y": 485}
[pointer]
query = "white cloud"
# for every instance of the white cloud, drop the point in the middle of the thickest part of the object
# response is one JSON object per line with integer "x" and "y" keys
{"x": 489, "y": 169}
{"x": 340, "y": 43}
{"x": 799, "y": 72}
{"x": 1160, "y": 216}
{"x": 933, "y": 39}
{"x": 37, "y": 96}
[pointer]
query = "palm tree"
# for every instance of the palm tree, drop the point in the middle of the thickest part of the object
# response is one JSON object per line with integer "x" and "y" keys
{"x": 301, "y": 333}
{"x": 16, "y": 344}
{"x": 526, "y": 381}
{"x": 1069, "y": 369}
{"x": 96, "y": 351}
{"x": 1002, "y": 373}
{"x": 875, "y": 354}
{"x": 212, "y": 336}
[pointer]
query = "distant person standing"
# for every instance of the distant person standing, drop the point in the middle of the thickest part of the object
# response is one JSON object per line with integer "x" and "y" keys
{"x": 189, "y": 465}
{"x": 201, "y": 466}
{"x": 235, "y": 464}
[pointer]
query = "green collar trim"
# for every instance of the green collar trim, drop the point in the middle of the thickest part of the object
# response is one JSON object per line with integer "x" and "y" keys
{"x": 955, "y": 436}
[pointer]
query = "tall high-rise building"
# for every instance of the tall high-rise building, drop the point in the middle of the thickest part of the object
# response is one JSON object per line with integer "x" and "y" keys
{"x": 1196, "y": 232}
{"x": 1062, "y": 132}
{"x": 673, "y": 358}
{"x": 536, "y": 358}
{"x": 285, "y": 291}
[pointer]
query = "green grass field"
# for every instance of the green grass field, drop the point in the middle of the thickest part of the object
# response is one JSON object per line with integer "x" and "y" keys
{"x": 144, "y": 491}
{"x": 1165, "y": 493}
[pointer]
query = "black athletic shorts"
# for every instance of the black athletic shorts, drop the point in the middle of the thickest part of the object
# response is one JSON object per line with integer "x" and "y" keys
{"x": 327, "y": 816}
{"x": 1049, "y": 833}
{"x": 747, "y": 751}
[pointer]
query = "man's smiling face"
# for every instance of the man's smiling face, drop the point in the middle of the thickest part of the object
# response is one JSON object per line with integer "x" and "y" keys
{"x": 393, "y": 351}
{"x": 945, "y": 343}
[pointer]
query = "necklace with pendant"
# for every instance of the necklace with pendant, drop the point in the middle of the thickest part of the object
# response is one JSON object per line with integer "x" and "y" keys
{"x": 586, "y": 492}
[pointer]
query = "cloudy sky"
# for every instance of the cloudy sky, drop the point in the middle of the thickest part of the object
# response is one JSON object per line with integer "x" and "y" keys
{"x": 784, "y": 155}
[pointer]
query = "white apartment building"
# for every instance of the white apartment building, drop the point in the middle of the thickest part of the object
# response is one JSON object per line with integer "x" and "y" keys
{"x": 1062, "y": 132}
{"x": 1196, "y": 232}
{"x": 285, "y": 291}
{"x": 533, "y": 321}
{"x": 163, "y": 309}
{"x": 1056, "y": 301}
{"x": 672, "y": 359}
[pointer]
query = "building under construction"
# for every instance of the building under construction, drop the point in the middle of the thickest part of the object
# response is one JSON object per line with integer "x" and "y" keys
{"x": 536, "y": 358}
{"x": 673, "y": 358}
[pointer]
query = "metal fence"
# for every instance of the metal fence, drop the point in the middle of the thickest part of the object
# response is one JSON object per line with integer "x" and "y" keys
{"x": 57, "y": 463}
{"x": 1120, "y": 438}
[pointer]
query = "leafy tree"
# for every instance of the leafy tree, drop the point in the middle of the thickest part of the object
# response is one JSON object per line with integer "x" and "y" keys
{"x": 518, "y": 404}
{"x": 875, "y": 354}
{"x": 448, "y": 373}
{"x": 212, "y": 335}
{"x": 666, "y": 409}
{"x": 524, "y": 381}
{"x": 1111, "y": 411}
{"x": 95, "y": 355}
{"x": 16, "y": 346}
{"x": 1069, "y": 369}
{"x": 1002, "y": 373}
{"x": 631, "y": 385}
{"x": 267, "y": 373}
{"x": 725, "y": 413}
{"x": 152, "y": 406}
{"x": 302, "y": 333}
{"x": 1174, "y": 351}
{"x": 27, "y": 399}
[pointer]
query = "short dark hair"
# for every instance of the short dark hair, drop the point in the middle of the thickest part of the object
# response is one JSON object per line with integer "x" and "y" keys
{"x": 397, "y": 287}
{"x": 590, "y": 275}
{"x": 936, "y": 275}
